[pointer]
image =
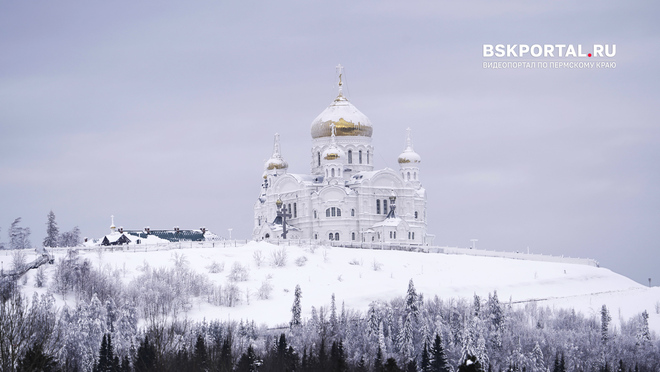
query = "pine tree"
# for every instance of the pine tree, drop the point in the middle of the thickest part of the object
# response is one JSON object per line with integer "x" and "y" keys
{"x": 295, "y": 309}
{"x": 248, "y": 361}
{"x": 200, "y": 355}
{"x": 333, "y": 316}
{"x": 52, "y": 231}
{"x": 378, "y": 361}
{"x": 225, "y": 354}
{"x": 35, "y": 360}
{"x": 412, "y": 306}
{"x": 605, "y": 319}
{"x": 146, "y": 357}
{"x": 391, "y": 366}
{"x": 439, "y": 359}
{"x": 425, "y": 365}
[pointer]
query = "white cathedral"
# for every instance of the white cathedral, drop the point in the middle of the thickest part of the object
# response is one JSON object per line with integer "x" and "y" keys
{"x": 343, "y": 199}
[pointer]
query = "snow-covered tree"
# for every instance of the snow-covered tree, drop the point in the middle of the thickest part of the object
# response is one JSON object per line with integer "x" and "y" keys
{"x": 412, "y": 308}
{"x": 52, "y": 231}
{"x": 605, "y": 319}
{"x": 19, "y": 237}
{"x": 295, "y": 309}
{"x": 70, "y": 238}
{"x": 643, "y": 333}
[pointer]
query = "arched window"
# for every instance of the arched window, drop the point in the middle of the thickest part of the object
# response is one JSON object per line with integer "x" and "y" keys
{"x": 415, "y": 214}
{"x": 352, "y": 212}
{"x": 413, "y": 235}
{"x": 317, "y": 217}
{"x": 415, "y": 174}
{"x": 377, "y": 206}
{"x": 408, "y": 234}
{"x": 295, "y": 210}
{"x": 336, "y": 236}
{"x": 316, "y": 236}
{"x": 267, "y": 236}
{"x": 318, "y": 158}
{"x": 331, "y": 236}
{"x": 390, "y": 235}
{"x": 289, "y": 210}
{"x": 408, "y": 176}
{"x": 326, "y": 173}
{"x": 352, "y": 236}
{"x": 327, "y": 212}
{"x": 360, "y": 156}
{"x": 332, "y": 172}
{"x": 367, "y": 156}
{"x": 384, "y": 206}
{"x": 350, "y": 156}
{"x": 338, "y": 212}
{"x": 395, "y": 235}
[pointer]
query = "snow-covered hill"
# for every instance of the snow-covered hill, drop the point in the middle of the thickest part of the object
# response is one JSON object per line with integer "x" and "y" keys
{"x": 359, "y": 276}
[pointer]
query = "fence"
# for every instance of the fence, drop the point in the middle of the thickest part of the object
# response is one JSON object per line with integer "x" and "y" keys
{"x": 355, "y": 245}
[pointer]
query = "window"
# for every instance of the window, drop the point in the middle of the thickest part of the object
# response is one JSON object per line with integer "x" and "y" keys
{"x": 336, "y": 236}
{"x": 408, "y": 235}
{"x": 334, "y": 212}
{"x": 367, "y": 156}
{"x": 360, "y": 156}
{"x": 390, "y": 235}
{"x": 333, "y": 172}
{"x": 415, "y": 176}
{"x": 395, "y": 235}
{"x": 408, "y": 176}
{"x": 350, "y": 156}
{"x": 377, "y": 206}
{"x": 413, "y": 235}
{"x": 352, "y": 212}
{"x": 289, "y": 209}
{"x": 317, "y": 217}
{"x": 316, "y": 236}
{"x": 331, "y": 236}
{"x": 295, "y": 210}
{"x": 352, "y": 236}
{"x": 384, "y": 206}
{"x": 415, "y": 214}
{"x": 318, "y": 158}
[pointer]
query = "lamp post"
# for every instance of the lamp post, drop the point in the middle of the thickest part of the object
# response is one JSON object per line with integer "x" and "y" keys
{"x": 473, "y": 241}
{"x": 230, "y": 229}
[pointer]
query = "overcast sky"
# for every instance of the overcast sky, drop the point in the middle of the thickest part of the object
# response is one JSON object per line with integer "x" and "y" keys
{"x": 162, "y": 113}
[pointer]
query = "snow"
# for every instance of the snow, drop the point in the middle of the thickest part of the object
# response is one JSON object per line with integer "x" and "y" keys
{"x": 359, "y": 276}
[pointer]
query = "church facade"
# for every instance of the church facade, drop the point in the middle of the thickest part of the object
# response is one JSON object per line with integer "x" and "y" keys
{"x": 343, "y": 198}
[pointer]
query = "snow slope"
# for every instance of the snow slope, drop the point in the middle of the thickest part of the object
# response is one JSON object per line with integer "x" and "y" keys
{"x": 360, "y": 276}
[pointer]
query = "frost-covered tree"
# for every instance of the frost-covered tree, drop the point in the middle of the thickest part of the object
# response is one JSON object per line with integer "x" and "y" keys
{"x": 295, "y": 309}
{"x": 52, "y": 231}
{"x": 333, "y": 315}
{"x": 19, "y": 237}
{"x": 70, "y": 238}
{"x": 643, "y": 333}
{"x": 605, "y": 319}
{"x": 412, "y": 308}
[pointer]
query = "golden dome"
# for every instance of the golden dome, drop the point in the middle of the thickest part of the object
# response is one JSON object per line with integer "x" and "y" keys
{"x": 348, "y": 120}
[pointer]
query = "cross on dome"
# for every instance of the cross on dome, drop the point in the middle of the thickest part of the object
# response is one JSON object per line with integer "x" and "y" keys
{"x": 340, "y": 71}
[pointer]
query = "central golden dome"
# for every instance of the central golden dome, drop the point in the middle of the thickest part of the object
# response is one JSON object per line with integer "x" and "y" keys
{"x": 348, "y": 120}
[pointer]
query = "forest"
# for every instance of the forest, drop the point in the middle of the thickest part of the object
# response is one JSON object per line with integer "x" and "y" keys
{"x": 141, "y": 326}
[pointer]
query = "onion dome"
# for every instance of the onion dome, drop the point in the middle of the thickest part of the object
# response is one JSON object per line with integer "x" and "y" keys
{"x": 409, "y": 155}
{"x": 348, "y": 120}
{"x": 276, "y": 161}
{"x": 333, "y": 152}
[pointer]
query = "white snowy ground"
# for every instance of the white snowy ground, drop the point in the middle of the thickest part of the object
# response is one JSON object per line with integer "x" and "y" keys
{"x": 350, "y": 275}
